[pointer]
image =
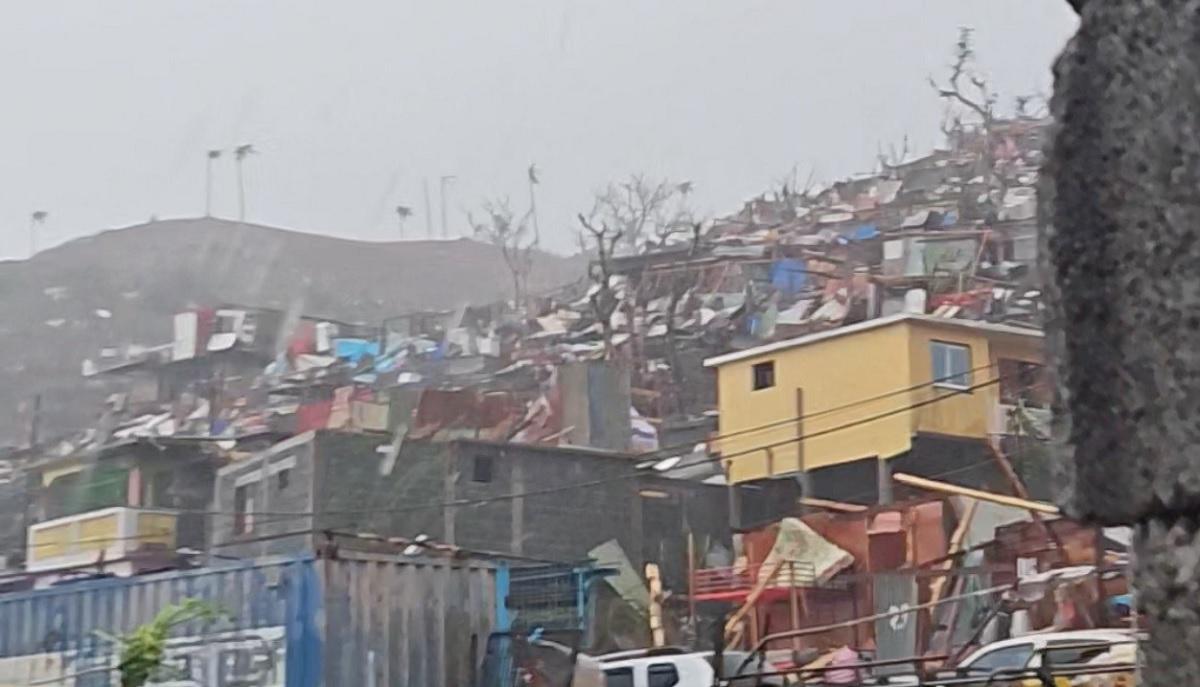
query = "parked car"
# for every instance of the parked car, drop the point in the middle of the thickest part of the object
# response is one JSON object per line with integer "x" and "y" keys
{"x": 674, "y": 667}
{"x": 1032, "y": 651}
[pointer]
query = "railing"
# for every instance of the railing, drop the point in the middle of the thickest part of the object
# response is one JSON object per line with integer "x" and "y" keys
{"x": 736, "y": 579}
{"x": 108, "y": 534}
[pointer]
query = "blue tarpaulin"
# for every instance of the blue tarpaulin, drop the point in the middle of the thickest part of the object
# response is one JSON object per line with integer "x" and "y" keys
{"x": 866, "y": 231}
{"x": 355, "y": 349}
{"x": 789, "y": 275}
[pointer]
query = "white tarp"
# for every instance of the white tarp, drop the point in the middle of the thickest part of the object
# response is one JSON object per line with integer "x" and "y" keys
{"x": 817, "y": 559}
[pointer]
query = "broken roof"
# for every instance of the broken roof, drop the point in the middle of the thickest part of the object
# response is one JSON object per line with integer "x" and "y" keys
{"x": 866, "y": 326}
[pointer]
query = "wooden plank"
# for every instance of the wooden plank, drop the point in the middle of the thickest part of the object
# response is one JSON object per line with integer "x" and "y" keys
{"x": 794, "y": 603}
{"x": 956, "y": 540}
{"x": 800, "y": 431}
{"x": 691, "y": 568}
{"x": 657, "y": 636}
{"x": 954, "y": 489}
{"x": 752, "y": 598}
{"x": 1018, "y": 486}
{"x": 827, "y": 504}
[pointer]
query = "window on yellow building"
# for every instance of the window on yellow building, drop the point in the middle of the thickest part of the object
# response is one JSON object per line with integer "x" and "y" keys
{"x": 951, "y": 364}
{"x": 764, "y": 375}
{"x": 1023, "y": 382}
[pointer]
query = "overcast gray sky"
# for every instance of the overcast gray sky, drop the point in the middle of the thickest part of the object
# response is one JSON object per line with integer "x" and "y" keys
{"x": 111, "y": 105}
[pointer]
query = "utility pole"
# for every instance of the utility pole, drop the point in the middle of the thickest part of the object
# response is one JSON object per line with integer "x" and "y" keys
{"x": 446, "y": 178}
{"x": 428, "y": 210}
{"x": 240, "y": 153}
{"x": 35, "y": 420}
{"x": 534, "y": 181}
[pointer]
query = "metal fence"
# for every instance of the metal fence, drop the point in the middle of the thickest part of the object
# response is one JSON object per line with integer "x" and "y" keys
{"x": 417, "y": 623}
{"x": 549, "y": 597}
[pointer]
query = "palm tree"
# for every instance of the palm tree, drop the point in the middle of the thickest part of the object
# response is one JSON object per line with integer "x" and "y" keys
{"x": 403, "y": 212}
{"x": 240, "y": 153}
{"x": 37, "y": 219}
{"x": 534, "y": 181}
{"x": 208, "y": 179}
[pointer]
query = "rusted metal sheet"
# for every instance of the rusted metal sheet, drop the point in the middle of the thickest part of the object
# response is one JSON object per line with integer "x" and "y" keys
{"x": 417, "y": 623}
{"x": 895, "y": 636}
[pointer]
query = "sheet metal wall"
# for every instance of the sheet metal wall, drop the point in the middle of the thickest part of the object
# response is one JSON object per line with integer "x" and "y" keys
{"x": 419, "y": 623}
{"x": 333, "y": 622}
{"x": 60, "y": 625}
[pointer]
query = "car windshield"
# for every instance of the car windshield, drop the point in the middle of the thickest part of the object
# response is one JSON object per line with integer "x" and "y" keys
{"x": 1006, "y": 658}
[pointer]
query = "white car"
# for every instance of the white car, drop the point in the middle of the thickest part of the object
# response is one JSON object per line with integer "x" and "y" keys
{"x": 1030, "y": 651}
{"x": 668, "y": 667}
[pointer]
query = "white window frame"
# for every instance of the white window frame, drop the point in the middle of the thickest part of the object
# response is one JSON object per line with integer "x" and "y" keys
{"x": 765, "y": 365}
{"x": 945, "y": 348}
{"x": 246, "y": 526}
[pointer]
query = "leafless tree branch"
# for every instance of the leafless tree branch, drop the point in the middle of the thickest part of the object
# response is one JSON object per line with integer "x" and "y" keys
{"x": 642, "y": 209}
{"x": 512, "y": 236}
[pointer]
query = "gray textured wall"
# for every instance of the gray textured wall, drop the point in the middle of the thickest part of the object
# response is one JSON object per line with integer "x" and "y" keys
{"x": 1121, "y": 239}
{"x": 265, "y": 538}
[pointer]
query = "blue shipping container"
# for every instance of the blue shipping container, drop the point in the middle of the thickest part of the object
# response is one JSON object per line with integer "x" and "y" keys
{"x": 357, "y": 620}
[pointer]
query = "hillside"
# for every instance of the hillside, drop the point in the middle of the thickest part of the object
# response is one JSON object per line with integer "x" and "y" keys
{"x": 122, "y": 286}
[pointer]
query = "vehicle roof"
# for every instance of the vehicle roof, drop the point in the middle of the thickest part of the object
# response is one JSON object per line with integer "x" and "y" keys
{"x": 1039, "y": 640}
{"x": 619, "y": 662}
{"x": 654, "y": 652}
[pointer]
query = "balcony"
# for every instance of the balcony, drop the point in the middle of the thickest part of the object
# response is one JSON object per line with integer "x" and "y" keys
{"x": 1003, "y": 420}
{"x": 108, "y": 535}
{"x": 737, "y": 583}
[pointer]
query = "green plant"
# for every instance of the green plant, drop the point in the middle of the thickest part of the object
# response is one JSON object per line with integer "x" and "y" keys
{"x": 144, "y": 649}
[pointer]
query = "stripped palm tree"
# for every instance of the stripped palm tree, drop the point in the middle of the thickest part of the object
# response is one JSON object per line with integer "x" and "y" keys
{"x": 403, "y": 212}
{"x": 240, "y": 153}
{"x": 37, "y": 219}
{"x": 208, "y": 179}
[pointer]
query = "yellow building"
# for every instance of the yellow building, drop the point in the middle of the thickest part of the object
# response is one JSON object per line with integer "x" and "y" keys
{"x": 866, "y": 391}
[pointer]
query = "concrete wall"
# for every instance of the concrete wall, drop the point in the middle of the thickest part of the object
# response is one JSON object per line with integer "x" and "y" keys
{"x": 595, "y": 401}
{"x": 854, "y": 392}
{"x": 830, "y": 374}
{"x": 558, "y": 524}
{"x": 355, "y": 488}
{"x": 261, "y": 474}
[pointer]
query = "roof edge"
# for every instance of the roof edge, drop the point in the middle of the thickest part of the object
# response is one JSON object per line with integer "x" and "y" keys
{"x": 877, "y": 323}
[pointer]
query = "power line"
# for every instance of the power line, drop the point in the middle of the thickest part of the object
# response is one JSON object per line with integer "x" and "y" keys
{"x": 608, "y": 480}
{"x": 310, "y": 531}
{"x": 461, "y": 503}
{"x": 827, "y": 411}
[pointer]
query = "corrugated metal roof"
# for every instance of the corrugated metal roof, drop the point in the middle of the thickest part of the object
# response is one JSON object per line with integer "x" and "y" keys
{"x": 868, "y": 325}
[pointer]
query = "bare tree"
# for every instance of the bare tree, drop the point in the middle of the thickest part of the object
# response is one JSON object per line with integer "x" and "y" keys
{"x": 975, "y": 96}
{"x": 602, "y": 297}
{"x": 680, "y": 282}
{"x": 513, "y": 237}
{"x": 893, "y": 157}
{"x": 641, "y": 208}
